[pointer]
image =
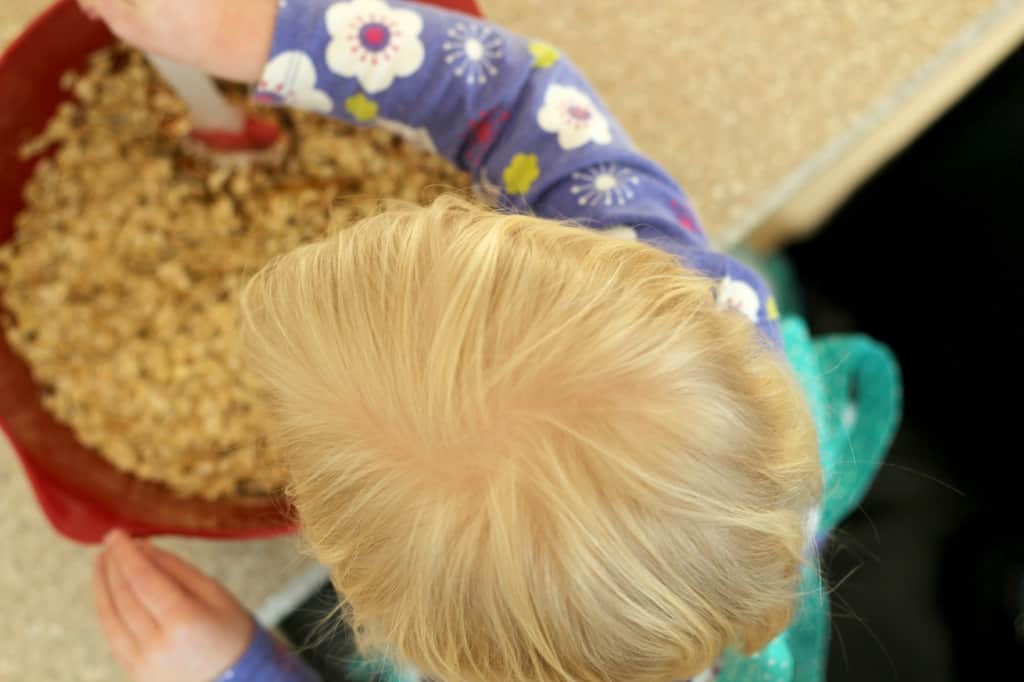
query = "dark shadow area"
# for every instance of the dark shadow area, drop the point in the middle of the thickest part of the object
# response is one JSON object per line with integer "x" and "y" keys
{"x": 927, "y": 258}
{"x": 324, "y": 643}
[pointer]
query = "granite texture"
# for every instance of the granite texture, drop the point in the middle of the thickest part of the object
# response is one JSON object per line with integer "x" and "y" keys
{"x": 49, "y": 631}
{"x": 732, "y": 96}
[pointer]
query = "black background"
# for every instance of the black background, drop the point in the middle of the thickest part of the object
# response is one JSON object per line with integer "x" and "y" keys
{"x": 929, "y": 258}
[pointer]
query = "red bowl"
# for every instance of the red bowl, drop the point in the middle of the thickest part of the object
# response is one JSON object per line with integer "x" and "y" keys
{"x": 81, "y": 493}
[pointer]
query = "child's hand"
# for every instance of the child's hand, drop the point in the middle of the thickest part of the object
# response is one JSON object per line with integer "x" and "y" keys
{"x": 227, "y": 38}
{"x": 164, "y": 619}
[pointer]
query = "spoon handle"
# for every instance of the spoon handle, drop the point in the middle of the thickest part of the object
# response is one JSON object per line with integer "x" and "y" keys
{"x": 208, "y": 108}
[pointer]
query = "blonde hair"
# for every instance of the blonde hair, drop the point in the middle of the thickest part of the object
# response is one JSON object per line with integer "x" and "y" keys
{"x": 528, "y": 451}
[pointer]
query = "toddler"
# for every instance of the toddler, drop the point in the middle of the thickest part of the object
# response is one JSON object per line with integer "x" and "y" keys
{"x": 557, "y": 441}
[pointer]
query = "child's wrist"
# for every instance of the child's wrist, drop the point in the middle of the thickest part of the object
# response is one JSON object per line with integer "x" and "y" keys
{"x": 242, "y": 40}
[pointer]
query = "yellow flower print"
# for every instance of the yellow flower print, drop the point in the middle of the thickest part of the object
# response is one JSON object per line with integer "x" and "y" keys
{"x": 361, "y": 107}
{"x": 544, "y": 56}
{"x": 772, "y": 308}
{"x": 521, "y": 173}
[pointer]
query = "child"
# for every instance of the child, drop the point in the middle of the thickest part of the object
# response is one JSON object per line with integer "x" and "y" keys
{"x": 527, "y": 449}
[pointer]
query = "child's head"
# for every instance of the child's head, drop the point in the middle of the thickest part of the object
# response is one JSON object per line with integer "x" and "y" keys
{"x": 534, "y": 452}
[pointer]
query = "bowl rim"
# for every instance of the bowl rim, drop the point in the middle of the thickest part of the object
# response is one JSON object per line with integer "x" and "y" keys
{"x": 76, "y": 513}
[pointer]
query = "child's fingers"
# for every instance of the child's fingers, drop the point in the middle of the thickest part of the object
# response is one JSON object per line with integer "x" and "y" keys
{"x": 153, "y": 588}
{"x": 88, "y": 10}
{"x": 122, "y": 643}
{"x": 122, "y": 17}
{"x": 202, "y": 586}
{"x": 131, "y": 611}
{"x": 99, "y": 8}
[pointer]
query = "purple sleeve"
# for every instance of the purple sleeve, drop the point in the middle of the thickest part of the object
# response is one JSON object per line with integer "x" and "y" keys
{"x": 268, "y": 660}
{"x": 515, "y": 113}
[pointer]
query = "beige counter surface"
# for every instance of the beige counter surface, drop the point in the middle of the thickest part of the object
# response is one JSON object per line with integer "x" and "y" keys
{"x": 771, "y": 111}
{"x": 768, "y": 112}
{"x": 48, "y": 630}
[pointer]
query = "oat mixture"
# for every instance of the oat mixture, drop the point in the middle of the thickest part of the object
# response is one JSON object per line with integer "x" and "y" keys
{"x": 120, "y": 286}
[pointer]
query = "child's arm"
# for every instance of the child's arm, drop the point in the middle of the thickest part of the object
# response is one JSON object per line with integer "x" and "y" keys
{"x": 515, "y": 113}
{"x": 165, "y": 620}
{"x": 267, "y": 660}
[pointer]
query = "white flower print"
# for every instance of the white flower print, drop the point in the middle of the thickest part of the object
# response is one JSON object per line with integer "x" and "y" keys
{"x": 417, "y": 136}
{"x": 290, "y": 78}
{"x": 373, "y": 43}
{"x": 607, "y": 184}
{"x": 627, "y": 234}
{"x": 473, "y": 49}
{"x": 571, "y": 114}
{"x": 735, "y": 294}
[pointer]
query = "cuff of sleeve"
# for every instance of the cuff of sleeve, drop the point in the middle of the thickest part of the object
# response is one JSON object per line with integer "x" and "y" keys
{"x": 299, "y": 25}
{"x": 292, "y": 74}
{"x": 267, "y": 660}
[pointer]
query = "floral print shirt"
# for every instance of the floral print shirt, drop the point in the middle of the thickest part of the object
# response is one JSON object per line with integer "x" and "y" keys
{"x": 513, "y": 112}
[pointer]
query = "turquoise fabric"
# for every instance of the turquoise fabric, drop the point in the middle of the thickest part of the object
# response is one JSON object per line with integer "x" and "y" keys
{"x": 360, "y": 670}
{"x": 781, "y": 275}
{"x": 855, "y": 392}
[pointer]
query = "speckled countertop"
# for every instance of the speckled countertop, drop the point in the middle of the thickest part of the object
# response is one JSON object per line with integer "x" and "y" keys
{"x": 738, "y": 98}
{"x": 48, "y": 630}
{"x": 744, "y": 100}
